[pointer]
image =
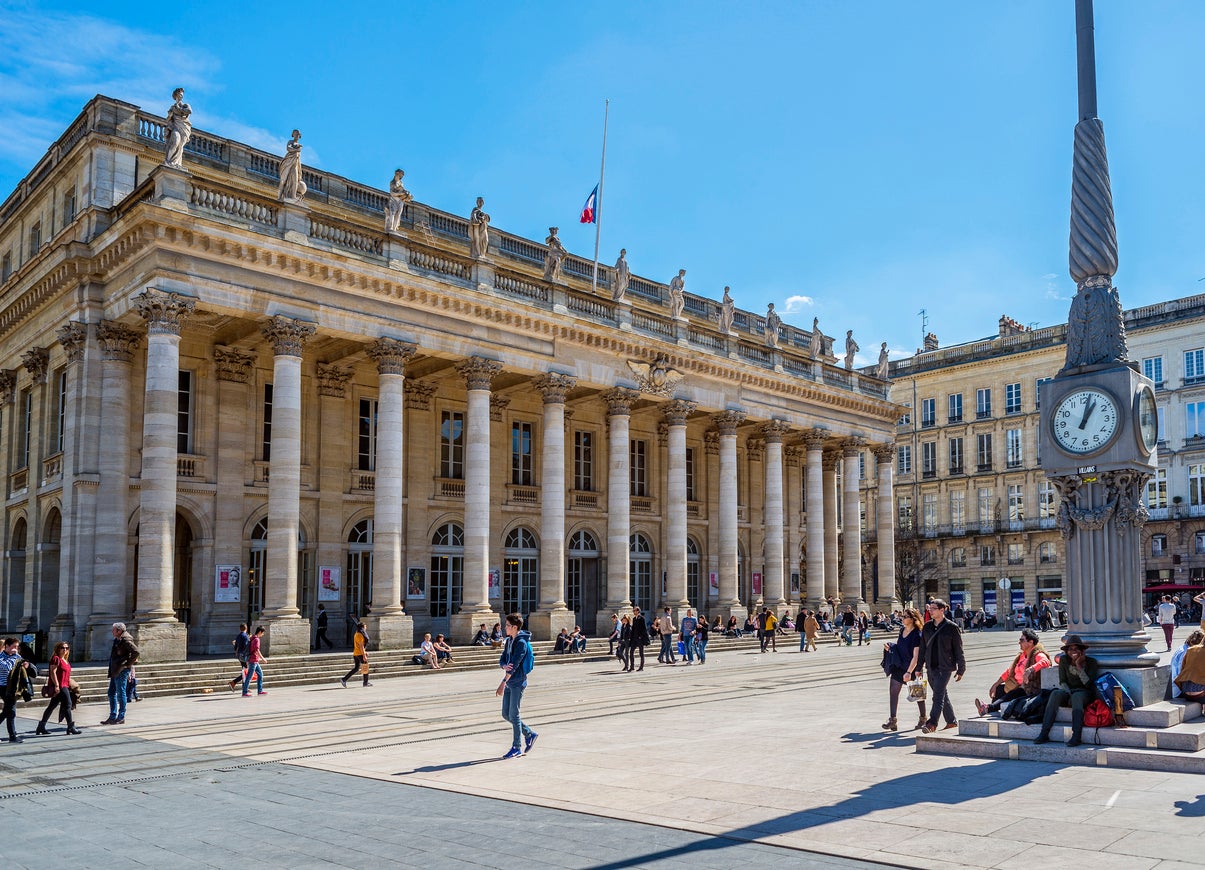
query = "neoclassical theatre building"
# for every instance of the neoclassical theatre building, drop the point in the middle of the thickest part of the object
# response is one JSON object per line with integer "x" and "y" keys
{"x": 234, "y": 388}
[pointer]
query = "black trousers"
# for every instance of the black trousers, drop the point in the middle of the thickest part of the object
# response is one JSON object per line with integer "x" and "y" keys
{"x": 9, "y": 715}
{"x": 322, "y": 639}
{"x": 938, "y": 683}
{"x": 630, "y": 657}
{"x": 61, "y": 697}
{"x": 359, "y": 660}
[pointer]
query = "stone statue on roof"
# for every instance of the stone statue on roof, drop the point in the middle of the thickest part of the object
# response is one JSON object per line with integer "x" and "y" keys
{"x": 179, "y": 130}
{"x": 395, "y": 206}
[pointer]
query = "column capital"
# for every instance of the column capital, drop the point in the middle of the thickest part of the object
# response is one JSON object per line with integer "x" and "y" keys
{"x": 498, "y": 406}
{"x": 619, "y": 401}
{"x": 287, "y": 335}
{"x": 677, "y": 410}
{"x": 793, "y": 452}
{"x": 418, "y": 394}
{"x": 774, "y": 431}
{"x": 73, "y": 337}
{"x": 831, "y": 459}
{"x": 8, "y": 386}
{"x": 883, "y": 452}
{"x": 852, "y": 446}
{"x": 813, "y": 439}
{"x": 117, "y": 341}
{"x": 333, "y": 380}
{"x": 391, "y": 355}
{"x": 479, "y": 372}
{"x": 727, "y": 421}
{"x": 755, "y": 448}
{"x": 233, "y": 365}
{"x": 164, "y": 312}
{"x": 711, "y": 441}
{"x": 553, "y": 386}
{"x": 36, "y": 361}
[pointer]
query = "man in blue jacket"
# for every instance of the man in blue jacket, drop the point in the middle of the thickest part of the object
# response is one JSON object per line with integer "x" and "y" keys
{"x": 517, "y": 661}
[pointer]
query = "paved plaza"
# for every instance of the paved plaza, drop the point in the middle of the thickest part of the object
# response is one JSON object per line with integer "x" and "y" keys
{"x": 751, "y": 760}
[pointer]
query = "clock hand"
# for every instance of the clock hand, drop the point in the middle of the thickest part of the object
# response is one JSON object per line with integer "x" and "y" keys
{"x": 1087, "y": 413}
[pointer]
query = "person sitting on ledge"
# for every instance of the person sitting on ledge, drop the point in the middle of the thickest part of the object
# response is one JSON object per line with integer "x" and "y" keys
{"x": 562, "y": 642}
{"x": 750, "y": 624}
{"x": 427, "y": 653}
{"x": 1077, "y": 685}
{"x": 733, "y": 630}
{"x": 1191, "y": 678}
{"x": 443, "y": 652}
{"x": 1196, "y": 638}
{"x": 496, "y": 636}
{"x": 577, "y": 640}
{"x": 1021, "y": 679}
{"x": 482, "y": 637}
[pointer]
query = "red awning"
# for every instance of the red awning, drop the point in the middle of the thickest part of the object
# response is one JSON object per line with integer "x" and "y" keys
{"x": 1174, "y": 587}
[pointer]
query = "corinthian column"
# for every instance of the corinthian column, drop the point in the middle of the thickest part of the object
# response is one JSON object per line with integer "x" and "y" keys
{"x": 831, "y": 572}
{"x": 884, "y": 456}
{"x": 160, "y": 636}
{"x": 619, "y": 528}
{"x": 478, "y": 374}
{"x": 772, "y": 592}
{"x": 389, "y": 626}
{"x": 288, "y": 633}
{"x": 814, "y": 440}
{"x": 851, "y": 581}
{"x": 727, "y": 422}
{"x": 552, "y": 615}
{"x": 676, "y": 413}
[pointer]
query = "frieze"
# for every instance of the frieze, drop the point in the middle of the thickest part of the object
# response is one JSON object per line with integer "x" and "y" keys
{"x": 417, "y": 395}
{"x": 498, "y": 406}
{"x": 755, "y": 448}
{"x": 711, "y": 441}
{"x": 1123, "y": 502}
{"x": 8, "y": 386}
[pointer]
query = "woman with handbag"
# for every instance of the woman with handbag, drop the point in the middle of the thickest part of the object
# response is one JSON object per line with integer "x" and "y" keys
{"x": 903, "y": 666}
{"x": 1021, "y": 679}
{"x": 58, "y": 688}
{"x": 359, "y": 652}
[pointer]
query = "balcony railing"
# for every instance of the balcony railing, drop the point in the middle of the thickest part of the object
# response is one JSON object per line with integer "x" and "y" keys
{"x": 984, "y": 466}
{"x": 52, "y": 467}
{"x": 955, "y": 418}
{"x": 642, "y": 504}
{"x": 446, "y": 487}
{"x": 983, "y": 415}
{"x": 524, "y": 495}
{"x": 956, "y": 469}
{"x": 584, "y": 500}
{"x": 18, "y": 480}
{"x": 363, "y": 481}
{"x": 190, "y": 466}
{"x": 929, "y": 473}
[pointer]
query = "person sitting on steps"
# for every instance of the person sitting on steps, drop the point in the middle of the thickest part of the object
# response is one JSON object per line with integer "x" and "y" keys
{"x": 1077, "y": 685}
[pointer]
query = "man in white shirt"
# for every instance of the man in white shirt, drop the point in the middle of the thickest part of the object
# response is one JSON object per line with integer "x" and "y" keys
{"x": 1167, "y": 619}
{"x": 666, "y": 655}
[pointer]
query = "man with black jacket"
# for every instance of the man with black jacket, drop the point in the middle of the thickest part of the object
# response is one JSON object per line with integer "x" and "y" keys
{"x": 640, "y": 639}
{"x": 942, "y": 648}
{"x": 122, "y": 657}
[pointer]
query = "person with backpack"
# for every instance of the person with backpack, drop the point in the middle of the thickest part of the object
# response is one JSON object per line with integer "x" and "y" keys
{"x": 240, "y": 652}
{"x": 1077, "y": 687}
{"x": 517, "y": 660}
{"x": 254, "y": 657}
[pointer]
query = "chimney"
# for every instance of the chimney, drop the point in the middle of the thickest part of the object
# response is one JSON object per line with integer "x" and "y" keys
{"x": 1008, "y": 326}
{"x": 930, "y": 342}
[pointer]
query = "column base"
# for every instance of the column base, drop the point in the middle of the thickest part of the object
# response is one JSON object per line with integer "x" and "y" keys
{"x": 285, "y": 636}
{"x": 547, "y": 624}
{"x": 98, "y": 640}
{"x": 462, "y": 626}
{"x": 1115, "y": 650}
{"x": 62, "y": 629}
{"x": 602, "y": 619}
{"x": 165, "y": 641}
{"x": 390, "y": 632}
{"x": 727, "y": 611}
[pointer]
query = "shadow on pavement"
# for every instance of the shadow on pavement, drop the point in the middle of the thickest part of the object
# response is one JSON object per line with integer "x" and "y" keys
{"x": 436, "y": 768}
{"x": 1191, "y": 808}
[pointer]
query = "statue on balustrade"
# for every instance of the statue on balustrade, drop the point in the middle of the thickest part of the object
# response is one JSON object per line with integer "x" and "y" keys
{"x": 396, "y": 204}
{"x": 773, "y": 326}
{"x": 727, "y": 311}
{"x": 179, "y": 130}
{"x": 554, "y": 259}
{"x": 621, "y": 275}
{"x": 479, "y": 230}
{"x": 816, "y": 346}
{"x": 851, "y": 348}
{"x": 292, "y": 188}
{"x": 677, "y": 294}
{"x": 883, "y": 369}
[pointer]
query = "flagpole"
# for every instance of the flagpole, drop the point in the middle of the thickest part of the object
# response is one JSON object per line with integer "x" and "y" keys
{"x": 602, "y": 174}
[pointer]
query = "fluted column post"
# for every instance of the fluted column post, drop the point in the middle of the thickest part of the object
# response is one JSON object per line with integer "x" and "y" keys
{"x": 478, "y": 374}
{"x": 160, "y": 636}
{"x": 288, "y": 633}
{"x": 831, "y": 571}
{"x": 552, "y": 615}
{"x": 676, "y": 413}
{"x": 730, "y": 602}
{"x": 814, "y": 441}
{"x": 772, "y": 592}
{"x": 884, "y": 455}
{"x": 619, "y": 408}
{"x": 851, "y": 580}
{"x": 388, "y": 625}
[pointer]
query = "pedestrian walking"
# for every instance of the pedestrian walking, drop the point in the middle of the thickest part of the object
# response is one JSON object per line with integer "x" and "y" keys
{"x": 58, "y": 684}
{"x": 686, "y": 631}
{"x": 517, "y": 661}
{"x": 904, "y": 666}
{"x": 771, "y": 631}
{"x": 801, "y": 628}
{"x": 359, "y": 653}
{"x": 321, "y": 621}
{"x": 240, "y": 644}
{"x": 640, "y": 639}
{"x": 1167, "y": 619}
{"x": 254, "y": 660}
{"x": 811, "y": 625}
{"x": 666, "y": 657}
{"x": 701, "y": 638}
{"x": 122, "y": 657}
{"x": 848, "y": 621}
{"x": 16, "y": 681}
{"x": 943, "y": 659}
{"x": 625, "y": 642}
{"x": 613, "y": 637}
{"x": 863, "y": 629}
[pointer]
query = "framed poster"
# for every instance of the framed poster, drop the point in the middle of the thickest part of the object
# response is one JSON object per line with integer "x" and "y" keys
{"x": 227, "y": 583}
{"x": 416, "y": 584}
{"x": 329, "y": 583}
{"x": 713, "y": 582}
{"x": 757, "y": 582}
{"x": 495, "y": 584}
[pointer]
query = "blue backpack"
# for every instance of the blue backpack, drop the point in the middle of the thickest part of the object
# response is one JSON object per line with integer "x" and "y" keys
{"x": 529, "y": 658}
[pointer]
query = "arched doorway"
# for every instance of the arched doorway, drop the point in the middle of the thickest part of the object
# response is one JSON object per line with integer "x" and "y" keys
{"x": 640, "y": 565}
{"x": 182, "y": 571}
{"x": 257, "y": 562}
{"x": 47, "y": 590}
{"x": 520, "y": 571}
{"x": 744, "y": 582}
{"x": 359, "y": 568}
{"x": 695, "y": 591}
{"x": 447, "y": 575}
{"x": 15, "y": 600}
{"x": 582, "y": 594}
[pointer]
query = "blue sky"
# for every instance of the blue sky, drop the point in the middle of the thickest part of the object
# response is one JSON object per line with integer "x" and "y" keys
{"x": 855, "y": 161}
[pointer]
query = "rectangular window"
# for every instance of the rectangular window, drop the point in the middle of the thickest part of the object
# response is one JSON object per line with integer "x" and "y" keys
{"x": 862, "y": 465}
{"x": 1014, "y": 443}
{"x": 1194, "y": 423}
{"x": 266, "y": 440}
{"x": 68, "y": 206}
{"x": 983, "y": 403}
{"x": 904, "y": 454}
{"x": 35, "y": 239}
{"x": 690, "y": 475}
{"x": 928, "y": 412}
{"x": 904, "y": 509}
{"x": 987, "y": 498}
{"x": 1016, "y": 554}
{"x": 60, "y": 416}
{"x": 956, "y": 457}
{"x": 1016, "y": 503}
{"x": 1037, "y": 391}
{"x": 929, "y": 511}
{"x": 958, "y": 558}
{"x": 1196, "y": 485}
{"x": 958, "y": 510}
{"x": 1152, "y": 367}
{"x": 1158, "y": 545}
{"x": 987, "y": 555}
{"x": 522, "y": 471}
{"x": 6, "y": 267}
{"x": 906, "y": 417}
{"x": 26, "y": 427}
{"x": 984, "y": 451}
{"x": 928, "y": 458}
{"x": 638, "y": 468}
{"x": 366, "y": 436}
{"x": 583, "y": 461}
{"x": 1012, "y": 398}
{"x": 954, "y": 412}
{"x": 451, "y": 445}
{"x": 1161, "y": 430}
{"x": 184, "y": 413}
{"x": 1047, "y": 502}
{"x": 1156, "y": 490}
{"x": 1194, "y": 365}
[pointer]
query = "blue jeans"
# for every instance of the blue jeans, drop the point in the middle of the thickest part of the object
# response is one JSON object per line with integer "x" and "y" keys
{"x": 666, "y": 650}
{"x": 689, "y": 645}
{"x": 847, "y": 634}
{"x": 512, "y": 697}
{"x": 701, "y": 647}
{"x": 118, "y": 687}
{"x": 803, "y": 639}
{"x": 258, "y": 672}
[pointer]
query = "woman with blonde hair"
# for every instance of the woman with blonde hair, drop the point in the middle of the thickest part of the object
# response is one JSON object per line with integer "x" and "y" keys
{"x": 58, "y": 683}
{"x": 903, "y": 664}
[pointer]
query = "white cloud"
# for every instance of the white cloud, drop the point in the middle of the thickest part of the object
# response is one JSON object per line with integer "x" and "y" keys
{"x": 797, "y": 304}
{"x": 1053, "y": 292}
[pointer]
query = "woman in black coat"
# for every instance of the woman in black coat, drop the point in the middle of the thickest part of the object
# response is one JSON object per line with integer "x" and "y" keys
{"x": 638, "y": 636}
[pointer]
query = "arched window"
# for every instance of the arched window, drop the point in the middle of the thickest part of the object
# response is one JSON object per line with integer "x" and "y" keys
{"x": 359, "y": 568}
{"x": 258, "y": 565}
{"x": 641, "y": 572}
{"x": 696, "y": 594}
{"x": 447, "y": 573}
{"x": 582, "y": 595}
{"x": 16, "y": 573}
{"x": 520, "y": 571}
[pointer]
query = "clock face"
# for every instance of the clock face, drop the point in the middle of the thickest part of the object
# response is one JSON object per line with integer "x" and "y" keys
{"x": 1084, "y": 421}
{"x": 1148, "y": 419}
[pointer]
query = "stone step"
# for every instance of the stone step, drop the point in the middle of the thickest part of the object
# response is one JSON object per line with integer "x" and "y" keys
{"x": 1183, "y": 737}
{"x": 1087, "y": 755}
{"x": 1163, "y": 714}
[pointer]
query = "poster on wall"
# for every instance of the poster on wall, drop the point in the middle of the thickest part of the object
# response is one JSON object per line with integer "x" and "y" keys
{"x": 227, "y": 583}
{"x": 756, "y": 583}
{"x": 989, "y": 601}
{"x": 795, "y": 584}
{"x": 329, "y": 586}
{"x": 958, "y": 599}
{"x": 495, "y": 584}
{"x": 1018, "y": 598}
{"x": 416, "y": 583}
{"x": 713, "y": 582}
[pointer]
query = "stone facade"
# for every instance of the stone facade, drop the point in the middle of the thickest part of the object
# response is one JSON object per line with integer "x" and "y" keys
{"x": 220, "y": 407}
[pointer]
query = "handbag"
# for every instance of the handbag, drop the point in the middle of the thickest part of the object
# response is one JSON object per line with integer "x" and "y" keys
{"x": 918, "y": 690}
{"x": 1107, "y": 685}
{"x": 364, "y": 669}
{"x": 48, "y": 691}
{"x": 888, "y": 655}
{"x": 1010, "y": 684}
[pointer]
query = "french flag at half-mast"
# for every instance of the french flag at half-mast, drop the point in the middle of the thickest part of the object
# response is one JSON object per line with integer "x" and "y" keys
{"x": 590, "y": 209}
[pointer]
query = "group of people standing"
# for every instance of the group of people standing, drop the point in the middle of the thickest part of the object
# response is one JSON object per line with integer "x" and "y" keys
{"x": 631, "y": 634}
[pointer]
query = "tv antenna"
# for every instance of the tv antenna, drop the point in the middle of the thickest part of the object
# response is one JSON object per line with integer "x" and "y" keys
{"x": 924, "y": 325}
